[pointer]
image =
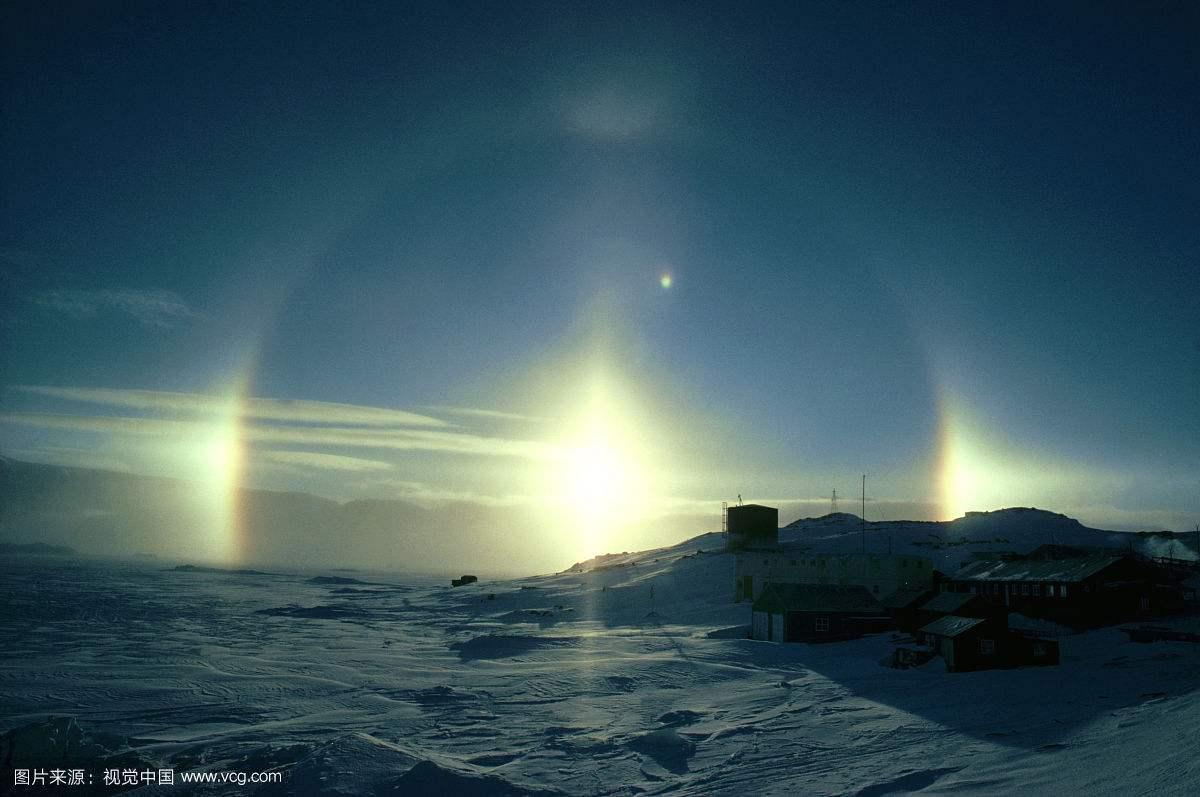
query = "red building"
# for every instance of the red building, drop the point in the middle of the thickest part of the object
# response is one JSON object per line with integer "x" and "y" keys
{"x": 1080, "y": 587}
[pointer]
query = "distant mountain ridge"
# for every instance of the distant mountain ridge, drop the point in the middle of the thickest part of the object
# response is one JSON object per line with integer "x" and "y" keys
{"x": 951, "y": 542}
{"x": 109, "y": 513}
{"x": 948, "y": 543}
{"x": 97, "y": 512}
{"x": 35, "y": 549}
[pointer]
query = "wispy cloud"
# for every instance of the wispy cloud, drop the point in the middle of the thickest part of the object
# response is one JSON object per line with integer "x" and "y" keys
{"x": 296, "y": 411}
{"x": 159, "y": 309}
{"x": 422, "y": 493}
{"x": 311, "y": 459}
{"x": 319, "y": 436}
{"x": 472, "y": 412}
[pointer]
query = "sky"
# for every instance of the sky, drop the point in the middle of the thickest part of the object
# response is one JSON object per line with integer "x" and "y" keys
{"x": 613, "y": 265}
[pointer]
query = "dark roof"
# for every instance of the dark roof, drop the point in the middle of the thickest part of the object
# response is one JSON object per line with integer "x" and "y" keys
{"x": 951, "y": 625}
{"x": 750, "y": 506}
{"x": 816, "y": 598}
{"x": 947, "y": 602}
{"x": 904, "y": 597}
{"x": 1076, "y": 568}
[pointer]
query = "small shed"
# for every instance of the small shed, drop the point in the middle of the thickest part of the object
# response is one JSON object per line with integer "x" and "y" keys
{"x": 977, "y": 643}
{"x": 815, "y": 613}
{"x": 964, "y": 643}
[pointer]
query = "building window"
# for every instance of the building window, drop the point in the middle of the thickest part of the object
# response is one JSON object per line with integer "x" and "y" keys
{"x": 1062, "y": 590}
{"x": 1145, "y": 603}
{"x": 821, "y": 624}
{"x": 987, "y": 647}
{"x": 1037, "y": 590}
{"x": 1039, "y": 650}
{"x": 1050, "y": 590}
{"x": 1024, "y": 589}
{"x": 793, "y": 562}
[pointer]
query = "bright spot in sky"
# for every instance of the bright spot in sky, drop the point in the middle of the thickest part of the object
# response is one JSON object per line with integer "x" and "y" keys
{"x": 603, "y": 479}
{"x": 597, "y": 475}
{"x": 665, "y": 280}
{"x": 219, "y": 457}
{"x": 220, "y": 463}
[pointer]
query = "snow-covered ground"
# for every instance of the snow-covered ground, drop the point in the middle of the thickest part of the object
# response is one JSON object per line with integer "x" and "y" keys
{"x": 634, "y": 678}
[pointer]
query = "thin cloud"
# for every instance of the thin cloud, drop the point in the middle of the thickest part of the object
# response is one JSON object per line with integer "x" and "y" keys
{"x": 311, "y": 459}
{"x": 158, "y": 309}
{"x": 499, "y": 415}
{"x": 319, "y": 436}
{"x": 422, "y": 493}
{"x": 297, "y": 411}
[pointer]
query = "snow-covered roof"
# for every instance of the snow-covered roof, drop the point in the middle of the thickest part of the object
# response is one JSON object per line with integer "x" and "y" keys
{"x": 947, "y": 602}
{"x": 905, "y": 596}
{"x": 1073, "y": 569}
{"x": 951, "y": 625}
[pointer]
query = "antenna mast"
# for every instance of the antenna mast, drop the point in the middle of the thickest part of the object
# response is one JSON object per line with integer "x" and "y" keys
{"x": 864, "y": 514}
{"x": 833, "y": 504}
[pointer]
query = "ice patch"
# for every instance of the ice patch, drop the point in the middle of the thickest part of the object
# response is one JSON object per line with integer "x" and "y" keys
{"x": 491, "y": 646}
{"x": 324, "y": 612}
{"x": 667, "y": 749}
{"x": 427, "y": 779}
{"x": 913, "y": 781}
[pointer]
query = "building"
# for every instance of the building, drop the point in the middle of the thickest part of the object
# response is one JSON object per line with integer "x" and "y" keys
{"x": 815, "y": 613}
{"x": 881, "y": 574}
{"x": 904, "y": 606}
{"x": 1080, "y": 587}
{"x": 977, "y": 643}
{"x": 962, "y": 604}
{"x": 751, "y": 527}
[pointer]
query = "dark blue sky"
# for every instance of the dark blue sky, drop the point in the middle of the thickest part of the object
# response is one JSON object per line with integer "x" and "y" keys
{"x": 955, "y": 246}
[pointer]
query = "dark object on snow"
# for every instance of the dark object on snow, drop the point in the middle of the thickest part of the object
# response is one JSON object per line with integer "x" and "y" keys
{"x": 1154, "y": 633}
{"x": 458, "y": 582}
{"x": 904, "y": 657}
{"x": 816, "y": 613}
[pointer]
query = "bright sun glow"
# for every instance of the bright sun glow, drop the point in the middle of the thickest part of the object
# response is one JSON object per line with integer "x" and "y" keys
{"x": 603, "y": 478}
{"x": 665, "y": 280}
{"x": 219, "y": 462}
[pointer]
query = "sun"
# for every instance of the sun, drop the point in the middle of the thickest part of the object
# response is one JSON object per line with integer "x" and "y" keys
{"x": 665, "y": 280}
{"x": 597, "y": 473}
{"x": 603, "y": 480}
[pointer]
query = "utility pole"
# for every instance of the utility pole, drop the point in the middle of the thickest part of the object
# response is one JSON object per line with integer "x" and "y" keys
{"x": 864, "y": 514}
